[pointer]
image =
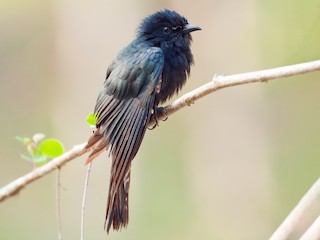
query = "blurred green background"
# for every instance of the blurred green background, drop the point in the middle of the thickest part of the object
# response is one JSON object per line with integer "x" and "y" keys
{"x": 230, "y": 167}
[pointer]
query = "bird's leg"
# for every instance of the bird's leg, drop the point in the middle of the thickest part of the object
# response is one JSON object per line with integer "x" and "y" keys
{"x": 156, "y": 111}
{"x": 154, "y": 116}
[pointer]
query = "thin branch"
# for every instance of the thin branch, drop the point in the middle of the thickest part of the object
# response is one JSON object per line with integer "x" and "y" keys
{"x": 219, "y": 82}
{"x": 58, "y": 205}
{"x": 15, "y": 186}
{"x": 84, "y": 201}
{"x": 313, "y": 232}
{"x": 187, "y": 99}
{"x": 306, "y": 204}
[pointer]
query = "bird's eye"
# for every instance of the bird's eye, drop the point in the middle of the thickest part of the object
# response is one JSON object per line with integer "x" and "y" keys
{"x": 166, "y": 30}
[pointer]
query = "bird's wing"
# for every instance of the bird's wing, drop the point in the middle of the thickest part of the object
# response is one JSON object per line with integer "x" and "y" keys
{"x": 132, "y": 80}
{"x": 132, "y": 70}
{"x": 123, "y": 111}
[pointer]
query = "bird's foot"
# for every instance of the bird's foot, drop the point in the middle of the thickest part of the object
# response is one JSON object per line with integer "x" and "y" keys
{"x": 154, "y": 126}
{"x": 156, "y": 112}
{"x": 159, "y": 111}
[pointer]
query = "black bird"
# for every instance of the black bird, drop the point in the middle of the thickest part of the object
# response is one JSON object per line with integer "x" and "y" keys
{"x": 144, "y": 74}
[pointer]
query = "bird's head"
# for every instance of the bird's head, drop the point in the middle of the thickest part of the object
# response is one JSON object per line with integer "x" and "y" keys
{"x": 165, "y": 26}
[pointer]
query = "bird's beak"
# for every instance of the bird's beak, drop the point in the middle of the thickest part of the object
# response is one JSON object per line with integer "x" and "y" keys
{"x": 190, "y": 28}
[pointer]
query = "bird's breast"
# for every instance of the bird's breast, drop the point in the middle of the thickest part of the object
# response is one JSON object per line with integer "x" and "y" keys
{"x": 177, "y": 61}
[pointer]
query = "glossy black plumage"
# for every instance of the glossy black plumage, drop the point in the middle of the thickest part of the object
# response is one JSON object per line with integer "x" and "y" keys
{"x": 145, "y": 73}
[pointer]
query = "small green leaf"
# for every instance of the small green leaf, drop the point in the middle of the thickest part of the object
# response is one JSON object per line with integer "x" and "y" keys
{"x": 23, "y": 140}
{"x": 91, "y": 120}
{"x": 51, "y": 148}
{"x": 40, "y": 160}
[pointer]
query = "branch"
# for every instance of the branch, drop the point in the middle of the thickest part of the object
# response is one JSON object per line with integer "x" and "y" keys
{"x": 187, "y": 99}
{"x": 306, "y": 204}
{"x": 219, "y": 82}
{"x": 313, "y": 232}
{"x": 56, "y": 163}
{"x": 293, "y": 220}
{"x": 84, "y": 198}
{"x": 58, "y": 205}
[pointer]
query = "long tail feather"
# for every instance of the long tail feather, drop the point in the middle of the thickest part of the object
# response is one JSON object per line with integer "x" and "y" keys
{"x": 121, "y": 125}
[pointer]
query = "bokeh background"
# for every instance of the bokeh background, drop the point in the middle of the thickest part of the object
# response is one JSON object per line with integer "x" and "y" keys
{"x": 232, "y": 166}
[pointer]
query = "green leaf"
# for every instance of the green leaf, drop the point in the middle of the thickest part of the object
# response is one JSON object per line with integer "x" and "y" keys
{"x": 51, "y": 148}
{"x": 23, "y": 140}
{"x": 40, "y": 160}
{"x": 91, "y": 120}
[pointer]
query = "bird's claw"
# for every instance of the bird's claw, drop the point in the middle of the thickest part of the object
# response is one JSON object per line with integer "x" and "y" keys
{"x": 155, "y": 114}
{"x": 154, "y": 126}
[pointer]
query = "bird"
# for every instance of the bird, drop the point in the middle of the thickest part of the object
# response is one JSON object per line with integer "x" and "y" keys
{"x": 144, "y": 74}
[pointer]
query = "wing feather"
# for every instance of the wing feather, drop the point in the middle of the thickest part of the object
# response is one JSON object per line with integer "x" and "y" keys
{"x": 123, "y": 109}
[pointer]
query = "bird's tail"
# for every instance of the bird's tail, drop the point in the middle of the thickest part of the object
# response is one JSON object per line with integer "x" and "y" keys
{"x": 121, "y": 126}
{"x": 117, "y": 214}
